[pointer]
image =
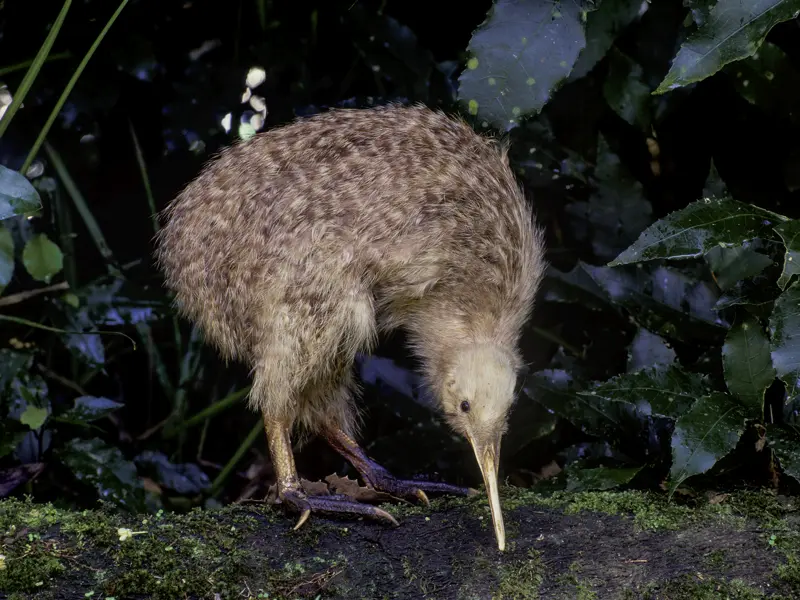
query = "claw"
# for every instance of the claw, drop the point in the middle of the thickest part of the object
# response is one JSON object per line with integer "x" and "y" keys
{"x": 298, "y": 501}
{"x": 303, "y": 518}
{"x": 385, "y": 515}
{"x": 423, "y": 497}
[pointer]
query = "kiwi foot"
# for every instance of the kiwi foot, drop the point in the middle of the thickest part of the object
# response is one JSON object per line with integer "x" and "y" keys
{"x": 300, "y": 502}
{"x": 380, "y": 479}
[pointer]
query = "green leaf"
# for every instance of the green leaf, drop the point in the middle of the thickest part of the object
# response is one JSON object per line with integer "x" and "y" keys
{"x": 735, "y": 29}
{"x": 757, "y": 295}
{"x": 17, "y": 196}
{"x": 747, "y": 365}
{"x": 769, "y": 81}
{"x": 185, "y": 479}
{"x": 785, "y": 443}
{"x": 730, "y": 265}
{"x": 6, "y": 257}
{"x": 694, "y": 230}
{"x": 700, "y": 10}
{"x": 33, "y": 416}
{"x": 599, "y": 478}
{"x": 42, "y": 258}
{"x": 556, "y": 391}
{"x": 574, "y": 287}
{"x": 655, "y": 391}
{"x": 664, "y": 300}
{"x": 790, "y": 234}
{"x": 88, "y": 409}
{"x": 9, "y": 440}
{"x": 617, "y": 211}
{"x": 12, "y": 363}
{"x": 715, "y": 186}
{"x": 531, "y": 421}
{"x": 602, "y": 28}
{"x": 626, "y": 92}
{"x": 649, "y": 350}
{"x": 520, "y": 55}
{"x": 708, "y": 431}
{"x": 105, "y": 468}
{"x": 784, "y": 325}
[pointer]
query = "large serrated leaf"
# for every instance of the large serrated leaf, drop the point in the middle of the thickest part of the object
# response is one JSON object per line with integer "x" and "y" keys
{"x": 785, "y": 443}
{"x": 734, "y": 30}
{"x": 520, "y": 55}
{"x": 17, "y": 196}
{"x": 655, "y": 391}
{"x": 769, "y": 81}
{"x": 602, "y": 28}
{"x": 618, "y": 210}
{"x": 694, "y": 230}
{"x": 703, "y": 435}
{"x": 42, "y": 258}
{"x": 757, "y": 295}
{"x": 784, "y": 325}
{"x": 626, "y": 92}
{"x": 598, "y": 478}
{"x": 6, "y": 257}
{"x": 649, "y": 350}
{"x": 747, "y": 365}
{"x": 556, "y": 391}
{"x": 790, "y": 234}
{"x": 665, "y": 301}
{"x": 575, "y": 286}
{"x": 730, "y": 265}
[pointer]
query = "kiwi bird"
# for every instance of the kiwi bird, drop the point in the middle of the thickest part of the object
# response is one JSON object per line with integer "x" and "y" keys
{"x": 294, "y": 250}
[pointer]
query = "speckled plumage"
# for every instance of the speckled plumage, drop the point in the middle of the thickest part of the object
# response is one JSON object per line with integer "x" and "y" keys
{"x": 294, "y": 249}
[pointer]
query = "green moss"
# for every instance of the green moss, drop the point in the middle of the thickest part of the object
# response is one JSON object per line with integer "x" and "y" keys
{"x": 716, "y": 559}
{"x": 30, "y": 566}
{"x": 158, "y": 556}
{"x": 521, "y": 579}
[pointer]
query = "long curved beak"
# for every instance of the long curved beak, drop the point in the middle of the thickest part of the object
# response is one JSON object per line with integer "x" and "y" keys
{"x": 488, "y": 455}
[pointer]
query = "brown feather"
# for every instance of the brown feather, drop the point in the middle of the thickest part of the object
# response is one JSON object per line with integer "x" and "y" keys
{"x": 294, "y": 249}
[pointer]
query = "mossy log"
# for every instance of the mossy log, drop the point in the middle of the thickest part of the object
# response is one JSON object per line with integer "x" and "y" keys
{"x": 574, "y": 546}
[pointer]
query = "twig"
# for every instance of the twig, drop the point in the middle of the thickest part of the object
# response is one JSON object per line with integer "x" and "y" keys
{"x": 62, "y": 380}
{"x": 22, "y": 296}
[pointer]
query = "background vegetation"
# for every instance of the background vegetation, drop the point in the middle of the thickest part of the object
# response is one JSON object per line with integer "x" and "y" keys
{"x": 658, "y": 141}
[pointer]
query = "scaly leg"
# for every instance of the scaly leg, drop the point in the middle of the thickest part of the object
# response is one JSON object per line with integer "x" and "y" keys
{"x": 379, "y": 478}
{"x": 288, "y": 483}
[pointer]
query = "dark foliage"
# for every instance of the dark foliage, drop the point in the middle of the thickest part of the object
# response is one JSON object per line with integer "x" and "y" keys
{"x": 658, "y": 141}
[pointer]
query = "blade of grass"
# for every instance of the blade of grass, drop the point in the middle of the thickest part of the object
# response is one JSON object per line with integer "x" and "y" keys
{"x": 210, "y": 411}
{"x": 68, "y": 89}
{"x": 219, "y": 480}
{"x": 26, "y": 64}
{"x": 148, "y": 191}
{"x": 143, "y": 329}
{"x": 33, "y": 71}
{"x": 83, "y": 209}
{"x": 22, "y": 321}
{"x": 161, "y": 370}
{"x": 66, "y": 236}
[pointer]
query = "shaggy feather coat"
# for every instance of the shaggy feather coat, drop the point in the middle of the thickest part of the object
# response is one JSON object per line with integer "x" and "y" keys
{"x": 295, "y": 249}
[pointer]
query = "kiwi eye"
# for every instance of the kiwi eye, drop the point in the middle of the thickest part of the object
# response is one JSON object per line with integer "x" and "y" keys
{"x": 465, "y": 406}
